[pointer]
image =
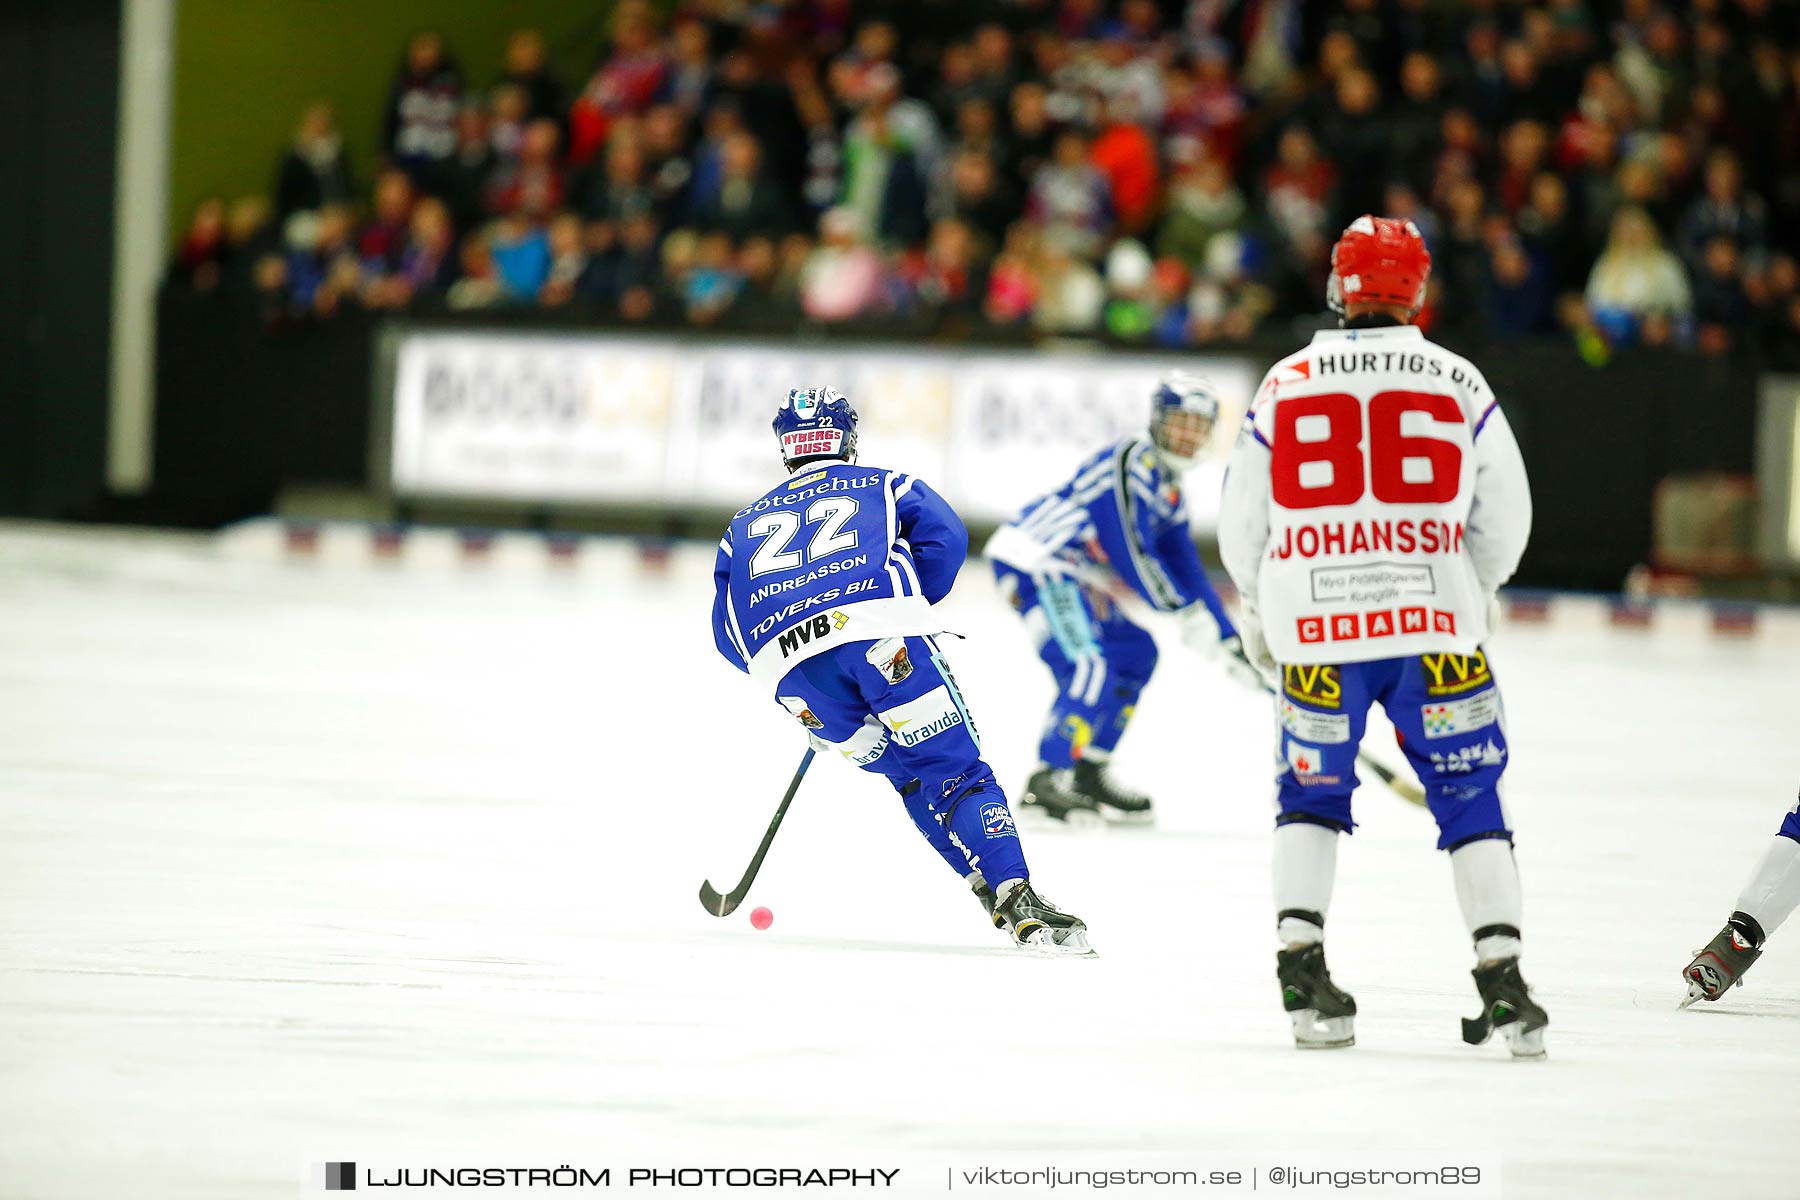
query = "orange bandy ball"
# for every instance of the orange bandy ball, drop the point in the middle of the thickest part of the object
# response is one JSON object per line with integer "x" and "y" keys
{"x": 762, "y": 918}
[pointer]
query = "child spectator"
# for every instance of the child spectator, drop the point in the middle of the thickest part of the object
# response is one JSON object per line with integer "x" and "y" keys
{"x": 480, "y": 285}
{"x": 521, "y": 255}
{"x": 567, "y": 243}
{"x": 713, "y": 283}
{"x": 428, "y": 264}
{"x": 1012, "y": 290}
{"x": 322, "y": 269}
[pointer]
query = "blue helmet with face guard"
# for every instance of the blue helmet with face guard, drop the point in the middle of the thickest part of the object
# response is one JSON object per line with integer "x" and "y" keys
{"x": 1179, "y": 436}
{"x": 816, "y": 423}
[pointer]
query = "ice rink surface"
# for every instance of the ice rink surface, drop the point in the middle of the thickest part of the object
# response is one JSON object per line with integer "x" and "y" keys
{"x": 336, "y": 859}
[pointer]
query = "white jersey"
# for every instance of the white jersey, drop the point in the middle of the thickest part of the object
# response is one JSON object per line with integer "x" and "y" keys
{"x": 1374, "y": 501}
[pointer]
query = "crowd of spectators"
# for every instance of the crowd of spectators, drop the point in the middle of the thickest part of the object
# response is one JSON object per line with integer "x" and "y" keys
{"x": 1170, "y": 172}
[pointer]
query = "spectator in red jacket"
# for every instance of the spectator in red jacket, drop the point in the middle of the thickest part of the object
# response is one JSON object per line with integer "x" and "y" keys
{"x": 625, "y": 84}
{"x": 1126, "y": 155}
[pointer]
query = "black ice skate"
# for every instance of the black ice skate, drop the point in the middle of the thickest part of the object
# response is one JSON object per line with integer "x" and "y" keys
{"x": 1724, "y": 960}
{"x": 1093, "y": 781}
{"x": 1323, "y": 1014}
{"x": 1038, "y": 925}
{"x": 1050, "y": 793}
{"x": 1506, "y": 1005}
{"x": 985, "y": 894}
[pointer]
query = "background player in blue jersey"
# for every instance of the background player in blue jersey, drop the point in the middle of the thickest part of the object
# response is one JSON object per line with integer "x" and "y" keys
{"x": 1120, "y": 520}
{"x": 824, "y": 587}
{"x": 1768, "y": 899}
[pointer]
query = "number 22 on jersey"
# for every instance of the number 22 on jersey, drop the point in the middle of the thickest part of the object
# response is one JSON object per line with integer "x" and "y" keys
{"x": 777, "y": 531}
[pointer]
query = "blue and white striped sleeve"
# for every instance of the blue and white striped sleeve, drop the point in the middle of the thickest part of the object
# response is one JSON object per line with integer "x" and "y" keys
{"x": 726, "y": 635}
{"x": 935, "y": 534}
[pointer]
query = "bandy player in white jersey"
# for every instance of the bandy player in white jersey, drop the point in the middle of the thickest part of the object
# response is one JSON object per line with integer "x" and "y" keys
{"x": 1374, "y": 503}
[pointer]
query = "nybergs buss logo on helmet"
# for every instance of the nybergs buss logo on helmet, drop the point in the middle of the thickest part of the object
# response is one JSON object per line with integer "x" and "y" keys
{"x": 815, "y": 422}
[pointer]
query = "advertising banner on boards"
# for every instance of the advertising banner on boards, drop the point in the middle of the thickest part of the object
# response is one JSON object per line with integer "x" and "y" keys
{"x": 682, "y": 422}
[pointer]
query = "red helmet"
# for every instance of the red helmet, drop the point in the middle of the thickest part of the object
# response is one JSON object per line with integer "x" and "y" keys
{"x": 1379, "y": 261}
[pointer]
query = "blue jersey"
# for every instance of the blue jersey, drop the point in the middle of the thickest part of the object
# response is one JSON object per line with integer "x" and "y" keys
{"x": 1122, "y": 511}
{"x": 837, "y": 554}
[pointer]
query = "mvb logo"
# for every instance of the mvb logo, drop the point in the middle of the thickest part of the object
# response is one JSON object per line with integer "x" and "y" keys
{"x": 340, "y": 1177}
{"x": 816, "y": 629}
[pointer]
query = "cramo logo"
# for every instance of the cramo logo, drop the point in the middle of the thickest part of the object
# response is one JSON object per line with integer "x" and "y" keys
{"x": 806, "y": 631}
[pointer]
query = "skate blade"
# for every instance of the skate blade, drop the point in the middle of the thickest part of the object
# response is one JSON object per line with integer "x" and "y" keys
{"x": 1524, "y": 1044}
{"x": 1036, "y": 816}
{"x": 1699, "y": 987}
{"x": 1313, "y": 1032}
{"x": 1073, "y": 945}
{"x": 1128, "y": 820}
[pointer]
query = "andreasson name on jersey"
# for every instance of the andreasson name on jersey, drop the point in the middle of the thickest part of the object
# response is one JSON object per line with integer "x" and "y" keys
{"x": 787, "y": 585}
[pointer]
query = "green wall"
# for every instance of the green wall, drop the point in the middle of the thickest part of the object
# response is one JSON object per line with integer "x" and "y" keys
{"x": 244, "y": 69}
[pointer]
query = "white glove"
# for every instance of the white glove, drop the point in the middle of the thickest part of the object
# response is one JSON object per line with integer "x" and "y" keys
{"x": 1255, "y": 650}
{"x": 1199, "y": 631}
{"x": 1239, "y": 666}
{"x": 818, "y": 743}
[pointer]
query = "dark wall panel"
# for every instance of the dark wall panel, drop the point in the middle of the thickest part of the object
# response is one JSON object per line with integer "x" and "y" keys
{"x": 59, "y": 80}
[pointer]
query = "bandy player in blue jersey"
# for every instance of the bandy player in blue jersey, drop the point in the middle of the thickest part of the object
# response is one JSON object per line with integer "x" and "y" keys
{"x": 824, "y": 587}
{"x": 1374, "y": 503}
{"x": 1120, "y": 521}
{"x": 1768, "y": 899}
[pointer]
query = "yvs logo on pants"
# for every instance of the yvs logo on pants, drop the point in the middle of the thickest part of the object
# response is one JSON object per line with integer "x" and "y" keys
{"x": 1321, "y": 687}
